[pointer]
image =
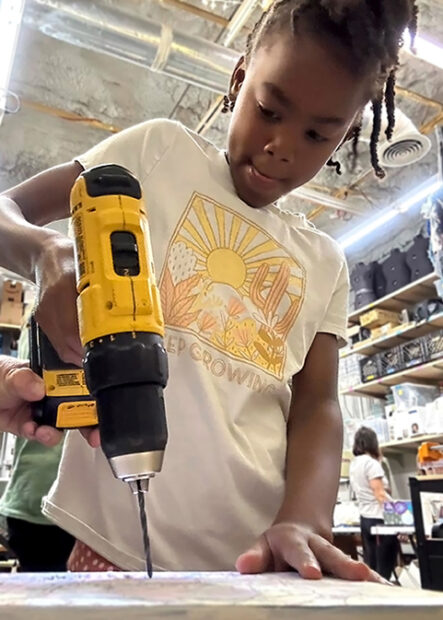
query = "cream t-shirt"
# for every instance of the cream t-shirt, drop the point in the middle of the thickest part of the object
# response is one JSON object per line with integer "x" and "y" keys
{"x": 365, "y": 468}
{"x": 244, "y": 291}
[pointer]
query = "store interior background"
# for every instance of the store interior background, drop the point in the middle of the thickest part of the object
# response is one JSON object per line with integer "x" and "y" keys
{"x": 71, "y": 98}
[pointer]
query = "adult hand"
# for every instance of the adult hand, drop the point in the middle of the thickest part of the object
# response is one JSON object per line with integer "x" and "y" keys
{"x": 19, "y": 386}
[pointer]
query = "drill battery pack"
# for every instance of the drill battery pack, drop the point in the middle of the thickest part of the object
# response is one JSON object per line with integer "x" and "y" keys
{"x": 67, "y": 402}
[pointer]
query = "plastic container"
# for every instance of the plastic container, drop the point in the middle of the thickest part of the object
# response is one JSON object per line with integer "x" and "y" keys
{"x": 380, "y": 427}
{"x": 413, "y": 352}
{"x": 390, "y": 361}
{"x": 412, "y": 395}
{"x": 369, "y": 368}
{"x": 349, "y": 375}
{"x": 433, "y": 344}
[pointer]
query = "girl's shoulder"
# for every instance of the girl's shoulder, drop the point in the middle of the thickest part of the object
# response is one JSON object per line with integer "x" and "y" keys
{"x": 321, "y": 243}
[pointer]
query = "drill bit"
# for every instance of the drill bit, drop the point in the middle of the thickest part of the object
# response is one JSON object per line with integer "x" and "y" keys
{"x": 144, "y": 524}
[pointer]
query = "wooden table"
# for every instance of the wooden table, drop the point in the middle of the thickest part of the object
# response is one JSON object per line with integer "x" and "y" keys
{"x": 201, "y": 596}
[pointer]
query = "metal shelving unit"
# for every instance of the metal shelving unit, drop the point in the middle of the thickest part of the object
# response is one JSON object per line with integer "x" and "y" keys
{"x": 430, "y": 372}
{"x": 411, "y": 443}
{"x": 416, "y": 291}
{"x": 396, "y": 337}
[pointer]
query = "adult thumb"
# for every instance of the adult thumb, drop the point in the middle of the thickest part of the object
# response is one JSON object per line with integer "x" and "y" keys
{"x": 25, "y": 384}
{"x": 257, "y": 559}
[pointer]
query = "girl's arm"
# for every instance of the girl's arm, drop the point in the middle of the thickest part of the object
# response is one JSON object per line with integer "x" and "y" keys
{"x": 301, "y": 533}
{"x": 315, "y": 435}
{"x": 43, "y": 255}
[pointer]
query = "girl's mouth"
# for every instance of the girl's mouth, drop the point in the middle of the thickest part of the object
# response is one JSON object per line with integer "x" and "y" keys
{"x": 260, "y": 180}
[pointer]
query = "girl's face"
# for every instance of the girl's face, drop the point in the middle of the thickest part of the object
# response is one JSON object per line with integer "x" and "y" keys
{"x": 295, "y": 103}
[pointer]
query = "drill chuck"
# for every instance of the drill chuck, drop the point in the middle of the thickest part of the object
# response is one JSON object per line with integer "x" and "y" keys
{"x": 126, "y": 373}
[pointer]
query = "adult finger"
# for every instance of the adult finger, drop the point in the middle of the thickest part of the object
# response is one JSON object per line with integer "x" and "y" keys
{"x": 45, "y": 435}
{"x": 92, "y": 435}
{"x": 23, "y": 384}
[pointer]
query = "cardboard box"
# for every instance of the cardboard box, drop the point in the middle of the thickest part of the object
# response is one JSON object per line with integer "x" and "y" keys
{"x": 433, "y": 417}
{"x": 375, "y": 318}
{"x": 383, "y": 330}
{"x": 11, "y": 313}
{"x": 12, "y": 291}
{"x": 416, "y": 419}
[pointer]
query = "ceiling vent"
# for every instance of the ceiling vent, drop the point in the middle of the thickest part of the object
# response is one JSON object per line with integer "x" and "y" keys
{"x": 407, "y": 145}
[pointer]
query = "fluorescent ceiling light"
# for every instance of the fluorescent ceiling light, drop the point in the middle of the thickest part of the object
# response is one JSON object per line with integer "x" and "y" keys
{"x": 401, "y": 206}
{"x": 11, "y": 13}
{"x": 306, "y": 193}
{"x": 424, "y": 49}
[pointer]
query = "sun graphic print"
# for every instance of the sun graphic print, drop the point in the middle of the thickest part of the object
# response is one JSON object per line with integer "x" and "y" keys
{"x": 232, "y": 285}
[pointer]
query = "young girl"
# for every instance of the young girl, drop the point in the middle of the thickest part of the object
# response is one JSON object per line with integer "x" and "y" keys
{"x": 254, "y": 300}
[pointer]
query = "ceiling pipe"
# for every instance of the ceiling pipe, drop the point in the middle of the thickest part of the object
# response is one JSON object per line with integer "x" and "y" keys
{"x": 144, "y": 42}
{"x": 237, "y": 23}
{"x": 316, "y": 197}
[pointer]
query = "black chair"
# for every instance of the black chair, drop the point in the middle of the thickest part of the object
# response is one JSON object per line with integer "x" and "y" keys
{"x": 429, "y": 550}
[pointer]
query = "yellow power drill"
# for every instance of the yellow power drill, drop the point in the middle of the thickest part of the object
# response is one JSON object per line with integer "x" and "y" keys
{"x": 121, "y": 328}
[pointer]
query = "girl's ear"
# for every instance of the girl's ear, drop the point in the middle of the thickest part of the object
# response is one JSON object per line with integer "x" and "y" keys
{"x": 237, "y": 77}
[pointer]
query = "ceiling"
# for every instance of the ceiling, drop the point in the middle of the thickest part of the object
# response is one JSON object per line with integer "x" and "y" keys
{"x": 71, "y": 98}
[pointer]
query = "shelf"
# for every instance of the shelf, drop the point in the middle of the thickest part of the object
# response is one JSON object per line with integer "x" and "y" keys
{"x": 410, "y": 442}
{"x": 396, "y": 337}
{"x": 431, "y": 372}
{"x": 416, "y": 291}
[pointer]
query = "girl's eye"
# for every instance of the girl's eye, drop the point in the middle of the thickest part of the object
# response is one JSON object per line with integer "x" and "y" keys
{"x": 268, "y": 114}
{"x": 316, "y": 137}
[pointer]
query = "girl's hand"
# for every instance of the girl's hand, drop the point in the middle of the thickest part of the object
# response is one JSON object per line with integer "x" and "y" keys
{"x": 18, "y": 387}
{"x": 288, "y": 546}
{"x": 56, "y": 311}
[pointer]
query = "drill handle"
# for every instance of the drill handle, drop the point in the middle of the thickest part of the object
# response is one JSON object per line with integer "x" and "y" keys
{"x": 34, "y": 347}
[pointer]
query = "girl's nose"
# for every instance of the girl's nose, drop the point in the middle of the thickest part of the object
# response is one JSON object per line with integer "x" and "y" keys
{"x": 273, "y": 149}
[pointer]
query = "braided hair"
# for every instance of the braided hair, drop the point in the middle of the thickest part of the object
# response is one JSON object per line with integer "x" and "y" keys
{"x": 371, "y": 34}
